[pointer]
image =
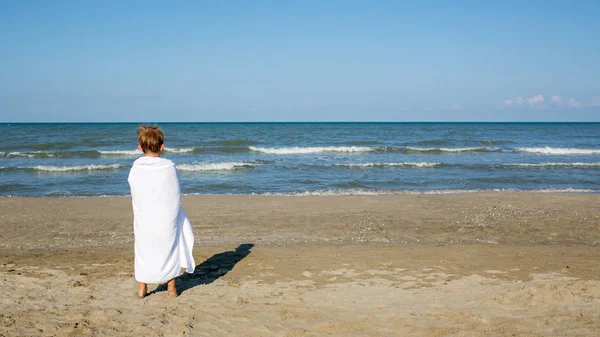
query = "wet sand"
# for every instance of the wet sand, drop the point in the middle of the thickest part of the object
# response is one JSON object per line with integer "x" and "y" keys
{"x": 498, "y": 264}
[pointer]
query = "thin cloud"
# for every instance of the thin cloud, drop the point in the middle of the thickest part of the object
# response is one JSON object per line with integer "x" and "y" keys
{"x": 534, "y": 102}
{"x": 596, "y": 101}
{"x": 574, "y": 104}
{"x": 514, "y": 102}
{"x": 538, "y": 102}
{"x": 557, "y": 100}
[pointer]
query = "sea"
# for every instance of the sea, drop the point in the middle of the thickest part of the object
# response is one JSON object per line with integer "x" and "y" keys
{"x": 298, "y": 159}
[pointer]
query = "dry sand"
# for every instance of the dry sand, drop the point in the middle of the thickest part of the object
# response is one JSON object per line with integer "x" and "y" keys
{"x": 499, "y": 264}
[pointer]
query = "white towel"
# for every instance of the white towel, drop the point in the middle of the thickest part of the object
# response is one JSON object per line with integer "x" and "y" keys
{"x": 163, "y": 233}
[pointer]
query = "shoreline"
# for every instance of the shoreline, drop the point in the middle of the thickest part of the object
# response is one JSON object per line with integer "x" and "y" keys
{"x": 338, "y": 193}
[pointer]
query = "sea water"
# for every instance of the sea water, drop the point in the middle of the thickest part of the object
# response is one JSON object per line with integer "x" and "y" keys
{"x": 93, "y": 159}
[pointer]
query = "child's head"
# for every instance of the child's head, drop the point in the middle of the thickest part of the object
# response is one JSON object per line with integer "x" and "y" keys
{"x": 151, "y": 139}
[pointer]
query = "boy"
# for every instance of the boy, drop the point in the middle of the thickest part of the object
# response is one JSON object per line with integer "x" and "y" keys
{"x": 163, "y": 234}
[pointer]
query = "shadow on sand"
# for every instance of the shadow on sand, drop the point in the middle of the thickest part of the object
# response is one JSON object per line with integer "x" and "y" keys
{"x": 210, "y": 270}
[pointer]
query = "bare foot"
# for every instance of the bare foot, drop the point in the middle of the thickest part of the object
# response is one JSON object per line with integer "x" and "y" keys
{"x": 142, "y": 290}
{"x": 172, "y": 289}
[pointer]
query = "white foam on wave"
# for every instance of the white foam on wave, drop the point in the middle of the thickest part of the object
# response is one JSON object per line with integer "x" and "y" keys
{"x": 565, "y": 190}
{"x": 557, "y": 151}
{"x": 451, "y": 149}
{"x": 179, "y": 150}
{"x": 555, "y": 165}
{"x": 75, "y": 168}
{"x": 227, "y": 166}
{"x": 28, "y": 154}
{"x": 308, "y": 150}
{"x": 367, "y": 192}
{"x": 135, "y": 152}
{"x": 407, "y": 164}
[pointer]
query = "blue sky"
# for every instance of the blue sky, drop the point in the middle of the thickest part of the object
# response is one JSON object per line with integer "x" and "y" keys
{"x": 300, "y": 61}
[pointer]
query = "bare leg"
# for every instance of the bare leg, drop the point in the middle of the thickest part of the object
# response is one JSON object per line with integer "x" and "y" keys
{"x": 142, "y": 290}
{"x": 171, "y": 288}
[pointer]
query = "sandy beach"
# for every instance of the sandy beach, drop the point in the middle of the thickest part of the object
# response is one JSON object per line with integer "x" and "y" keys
{"x": 472, "y": 264}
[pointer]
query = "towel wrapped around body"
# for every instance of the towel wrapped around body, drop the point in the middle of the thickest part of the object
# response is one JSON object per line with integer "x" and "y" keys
{"x": 163, "y": 233}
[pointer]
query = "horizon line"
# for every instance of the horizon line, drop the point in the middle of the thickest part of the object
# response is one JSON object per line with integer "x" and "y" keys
{"x": 303, "y": 122}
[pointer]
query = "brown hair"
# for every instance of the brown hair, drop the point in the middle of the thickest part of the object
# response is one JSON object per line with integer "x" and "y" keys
{"x": 151, "y": 138}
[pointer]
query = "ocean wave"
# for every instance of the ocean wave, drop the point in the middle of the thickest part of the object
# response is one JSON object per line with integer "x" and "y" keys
{"x": 135, "y": 152}
{"x": 472, "y": 166}
{"x": 227, "y": 166}
{"x": 564, "y": 190}
{"x": 28, "y": 154}
{"x": 50, "y": 154}
{"x": 557, "y": 151}
{"x": 309, "y": 150}
{"x": 361, "y": 149}
{"x": 494, "y": 142}
{"x": 179, "y": 150}
{"x": 90, "y": 153}
{"x": 554, "y": 165}
{"x": 51, "y": 168}
{"x": 370, "y": 192}
{"x": 449, "y": 149}
{"x": 226, "y": 149}
{"x": 408, "y": 164}
{"x": 13, "y": 187}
